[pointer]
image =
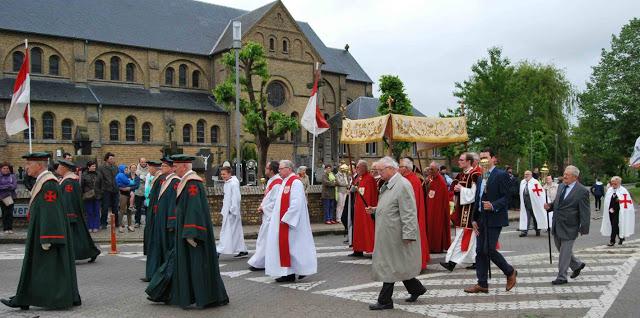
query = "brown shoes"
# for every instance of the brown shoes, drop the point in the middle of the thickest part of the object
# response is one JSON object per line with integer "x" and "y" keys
{"x": 511, "y": 280}
{"x": 476, "y": 289}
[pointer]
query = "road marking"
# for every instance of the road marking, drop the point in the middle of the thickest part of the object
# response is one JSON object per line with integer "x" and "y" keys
{"x": 304, "y": 286}
{"x": 235, "y": 274}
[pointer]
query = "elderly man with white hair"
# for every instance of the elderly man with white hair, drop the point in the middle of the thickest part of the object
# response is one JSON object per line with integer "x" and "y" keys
{"x": 397, "y": 256}
{"x": 571, "y": 215}
{"x": 621, "y": 220}
{"x": 290, "y": 249}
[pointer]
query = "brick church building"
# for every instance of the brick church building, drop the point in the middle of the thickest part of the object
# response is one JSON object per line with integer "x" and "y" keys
{"x": 134, "y": 75}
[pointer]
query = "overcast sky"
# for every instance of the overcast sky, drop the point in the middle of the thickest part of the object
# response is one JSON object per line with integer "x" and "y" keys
{"x": 431, "y": 45}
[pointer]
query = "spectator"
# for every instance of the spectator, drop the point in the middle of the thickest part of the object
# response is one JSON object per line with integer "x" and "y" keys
{"x": 91, "y": 202}
{"x": 447, "y": 178}
{"x": 126, "y": 182}
{"x": 142, "y": 171}
{"x": 329, "y": 195}
{"x": 536, "y": 174}
{"x": 8, "y": 184}
{"x": 598, "y": 191}
{"x": 106, "y": 189}
{"x": 302, "y": 174}
{"x": 514, "y": 189}
{"x": 342, "y": 180}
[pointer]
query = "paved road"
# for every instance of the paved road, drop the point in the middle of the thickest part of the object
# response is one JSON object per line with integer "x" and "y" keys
{"x": 608, "y": 287}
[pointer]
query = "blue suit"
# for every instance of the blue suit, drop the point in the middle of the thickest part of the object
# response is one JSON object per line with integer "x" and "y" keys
{"x": 490, "y": 223}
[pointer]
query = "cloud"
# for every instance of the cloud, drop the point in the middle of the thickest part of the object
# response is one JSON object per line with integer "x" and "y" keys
{"x": 431, "y": 45}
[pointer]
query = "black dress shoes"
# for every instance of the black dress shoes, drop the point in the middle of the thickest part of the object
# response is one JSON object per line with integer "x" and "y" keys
{"x": 559, "y": 282}
{"x": 144, "y": 279}
{"x": 523, "y": 234}
{"x": 255, "y": 269}
{"x": 8, "y": 303}
{"x": 577, "y": 271}
{"x": 448, "y": 265}
{"x": 241, "y": 255}
{"x": 620, "y": 241}
{"x": 413, "y": 297}
{"x": 93, "y": 259}
{"x": 472, "y": 266}
{"x": 356, "y": 254}
{"x": 285, "y": 279}
{"x": 379, "y": 306}
{"x": 537, "y": 232}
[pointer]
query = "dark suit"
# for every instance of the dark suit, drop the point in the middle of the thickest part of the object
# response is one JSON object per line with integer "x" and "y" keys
{"x": 571, "y": 215}
{"x": 490, "y": 223}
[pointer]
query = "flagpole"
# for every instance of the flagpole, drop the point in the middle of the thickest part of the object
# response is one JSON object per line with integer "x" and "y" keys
{"x": 26, "y": 48}
{"x": 313, "y": 143}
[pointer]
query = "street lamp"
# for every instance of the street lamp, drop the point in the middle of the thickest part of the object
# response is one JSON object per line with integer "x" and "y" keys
{"x": 237, "y": 43}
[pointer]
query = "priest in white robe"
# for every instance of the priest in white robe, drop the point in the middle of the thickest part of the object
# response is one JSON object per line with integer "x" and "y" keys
{"x": 256, "y": 262}
{"x": 618, "y": 205}
{"x": 532, "y": 200}
{"x": 634, "y": 160}
{"x": 290, "y": 247}
{"x": 231, "y": 235}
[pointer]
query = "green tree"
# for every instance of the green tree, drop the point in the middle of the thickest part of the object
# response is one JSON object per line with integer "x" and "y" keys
{"x": 265, "y": 125}
{"x": 392, "y": 87}
{"x": 610, "y": 105}
{"x": 506, "y": 104}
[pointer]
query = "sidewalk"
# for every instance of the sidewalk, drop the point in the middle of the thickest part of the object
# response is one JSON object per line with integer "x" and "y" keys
{"x": 250, "y": 232}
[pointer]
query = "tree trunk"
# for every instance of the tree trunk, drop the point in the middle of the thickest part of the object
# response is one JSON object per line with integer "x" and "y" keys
{"x": 263, "y": 150}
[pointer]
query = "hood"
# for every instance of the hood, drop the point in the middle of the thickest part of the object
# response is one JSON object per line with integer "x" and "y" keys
{"x": 121, "y": 168}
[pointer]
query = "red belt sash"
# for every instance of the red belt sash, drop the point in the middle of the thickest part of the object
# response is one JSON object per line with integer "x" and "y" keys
{"x": 283, "y": 233}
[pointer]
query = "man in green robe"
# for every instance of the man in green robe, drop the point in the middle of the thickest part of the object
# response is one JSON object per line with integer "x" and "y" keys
{"x": 73, "y": 208}
{"x": 48, "y": 277}
{"x": 159, "y": 171}
{"x": 192, "y": 266}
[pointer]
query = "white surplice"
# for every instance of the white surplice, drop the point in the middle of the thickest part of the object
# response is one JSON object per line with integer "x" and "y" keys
{"x": 231, "y": 235}
{"x": 455, "y": 253}
{"x": 301, "y": 245}
{"x": 538, "y": 199}
{"x": 626, "y": 216}
{"x": 268, "y": 201}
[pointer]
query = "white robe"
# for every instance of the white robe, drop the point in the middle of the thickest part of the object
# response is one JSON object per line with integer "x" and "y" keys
{"x": 455, "y": 253}
{"x": 626, "y": 216}
{"x": 538, "y": 199}
{"x": 268, "y": 201}
{"x": 635, "y": 156}
{"x": 301, "y": 245}
{"x": 231, "y": 235}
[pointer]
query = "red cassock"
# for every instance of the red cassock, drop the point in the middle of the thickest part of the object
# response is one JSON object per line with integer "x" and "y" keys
{"x": 416, "y": 183}
{"x": 438, "y": 224}
{"x": 363, "y": 224}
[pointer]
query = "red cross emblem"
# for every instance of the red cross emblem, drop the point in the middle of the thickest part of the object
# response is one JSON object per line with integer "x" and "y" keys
{"x": 625, "y": 201}
{"x": 175, "y": 186}
{"x": 193, "y": 190}
{"x": 50, "y": 196}
{"x": 155, "y": 208}
{"x": 68, "y": 188}
{"x": 537, "y": 189}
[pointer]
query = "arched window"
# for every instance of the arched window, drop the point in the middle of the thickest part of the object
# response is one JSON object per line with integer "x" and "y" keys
{"x": 186, "y": 133}
{"x": 131, "y": 72}
{"x": 295, "y": 136}
{"x": 115, "y": 68}
{"x": 285, "y": 46}
{"x": 54, "y": 65}
{"x": 272, "y": 44}
{"x": 182, "y": 75}
{"x": 168, "y": 76}
{"x": 146, "y": 132}
{"x": 200, "y": 131}
{"x": 47, "y": 126}
{"x": 33, "y": 130}
{"x": 215, "y": 130}
{"x": 130, "y": 128}
{"x": 114, "y": 130}
{"x": 18, "y": 59}
{"x": 36, "y": 60}
{"x": 99, "y": 70}
{"x": 195, "y": 79}
{"x": 276, "y": 93}
{"x": 67, "y": 127}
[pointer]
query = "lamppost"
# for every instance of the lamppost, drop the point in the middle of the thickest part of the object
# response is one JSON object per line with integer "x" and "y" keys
{"x": 237, "y": 43}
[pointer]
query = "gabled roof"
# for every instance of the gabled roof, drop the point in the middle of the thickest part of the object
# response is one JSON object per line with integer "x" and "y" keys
{"x": 170, "y": 25}
{"x": 366, "y": 107}
{"x": 111, "y": 95}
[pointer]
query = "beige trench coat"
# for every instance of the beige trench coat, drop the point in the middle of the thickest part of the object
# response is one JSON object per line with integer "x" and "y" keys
{"x": 396, "y": 220}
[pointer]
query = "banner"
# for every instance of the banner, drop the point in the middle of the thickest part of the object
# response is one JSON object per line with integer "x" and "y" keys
{"x": 363, "y": 130}
{"x": 431, "y": 130}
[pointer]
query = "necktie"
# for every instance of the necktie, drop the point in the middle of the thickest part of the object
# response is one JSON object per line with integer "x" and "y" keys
{"x": 564, "y": 190}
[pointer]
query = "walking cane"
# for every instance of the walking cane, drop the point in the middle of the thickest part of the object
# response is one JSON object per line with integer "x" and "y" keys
{"x": 544, "y": 171}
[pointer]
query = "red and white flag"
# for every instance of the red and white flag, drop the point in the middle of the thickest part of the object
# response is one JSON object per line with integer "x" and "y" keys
{"x": 17, "y": 118}
{"x": 312, "y": 120}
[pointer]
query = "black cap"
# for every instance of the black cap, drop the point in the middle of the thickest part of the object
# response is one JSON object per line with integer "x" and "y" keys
{"x": 37, "y": 156}
{"x": 167, "y": 160}
{"x": 67, "y": 164}
{"x": 154, "y": 163}
{"x": 182, "y": 158}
